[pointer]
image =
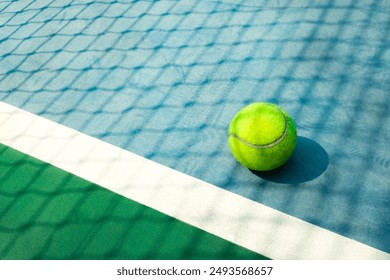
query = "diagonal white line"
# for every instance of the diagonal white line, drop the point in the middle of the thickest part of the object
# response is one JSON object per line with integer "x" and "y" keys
{"x": 227, "y": 215}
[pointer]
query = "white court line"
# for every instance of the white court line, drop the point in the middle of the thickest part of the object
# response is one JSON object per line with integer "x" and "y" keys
{"x": 220, "y": 212}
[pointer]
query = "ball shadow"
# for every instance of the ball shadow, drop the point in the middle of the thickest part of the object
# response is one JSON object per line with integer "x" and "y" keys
{"x": 308, "y": 162}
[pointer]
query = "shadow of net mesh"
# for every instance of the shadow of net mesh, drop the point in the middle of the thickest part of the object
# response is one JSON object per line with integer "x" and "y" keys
{"x": 163, "y": 79}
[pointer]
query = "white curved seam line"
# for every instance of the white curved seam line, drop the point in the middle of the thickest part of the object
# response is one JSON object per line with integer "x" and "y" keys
{"x": 272, "y": 144}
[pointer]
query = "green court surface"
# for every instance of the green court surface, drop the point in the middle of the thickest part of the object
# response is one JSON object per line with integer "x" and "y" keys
{"x": 114, "y": 119}
{"x": 47, "y": 213}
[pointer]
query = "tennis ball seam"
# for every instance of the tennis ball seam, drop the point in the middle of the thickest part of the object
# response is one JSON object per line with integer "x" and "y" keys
{"x": 265, "y": 146}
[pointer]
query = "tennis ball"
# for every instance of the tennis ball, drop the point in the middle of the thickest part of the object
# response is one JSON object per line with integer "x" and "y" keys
{"x": 262, "y": 136}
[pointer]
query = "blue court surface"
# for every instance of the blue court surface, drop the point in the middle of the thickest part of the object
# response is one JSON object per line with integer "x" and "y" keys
{"x": 160, "y": 81}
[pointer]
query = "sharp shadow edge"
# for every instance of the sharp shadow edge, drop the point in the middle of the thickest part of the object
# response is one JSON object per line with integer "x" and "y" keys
{"x": 308, "y": 162}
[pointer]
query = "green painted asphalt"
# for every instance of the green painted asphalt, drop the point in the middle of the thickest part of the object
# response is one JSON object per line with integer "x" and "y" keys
{"x": 47, "y": 213}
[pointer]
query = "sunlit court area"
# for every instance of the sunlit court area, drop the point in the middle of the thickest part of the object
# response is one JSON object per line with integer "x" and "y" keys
{"x": 117, "y": 142}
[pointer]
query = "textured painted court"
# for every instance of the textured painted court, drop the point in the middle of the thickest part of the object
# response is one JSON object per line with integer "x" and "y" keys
{"x": 114, "y": 117}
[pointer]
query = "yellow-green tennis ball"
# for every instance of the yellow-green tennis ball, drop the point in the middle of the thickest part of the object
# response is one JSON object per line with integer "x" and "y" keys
{"x": 262, "y": 136}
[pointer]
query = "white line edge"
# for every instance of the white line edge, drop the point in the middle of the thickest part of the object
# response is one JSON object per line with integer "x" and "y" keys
{"x": 244, "y": 222}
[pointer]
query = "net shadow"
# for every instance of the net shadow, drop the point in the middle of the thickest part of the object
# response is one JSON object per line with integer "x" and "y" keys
{"x": 163, "y": 79}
